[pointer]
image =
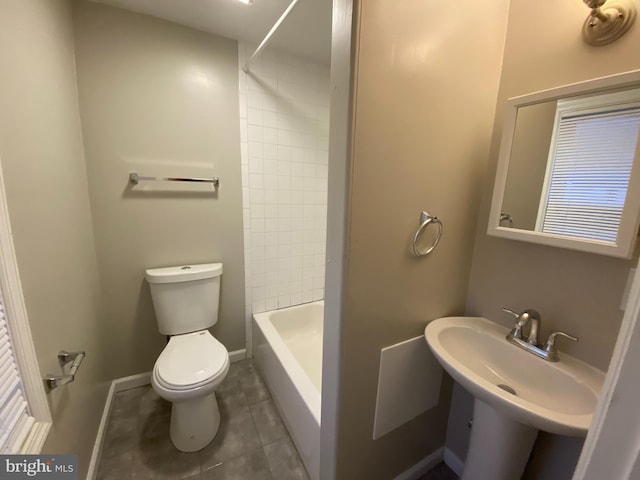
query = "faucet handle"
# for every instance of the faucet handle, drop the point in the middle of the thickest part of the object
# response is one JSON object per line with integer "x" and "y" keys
{"x": 516, "y": 332}
{"x": 523, "y": 317}
{"x": 508, "y": 310}
{"x": 550, "y": 346}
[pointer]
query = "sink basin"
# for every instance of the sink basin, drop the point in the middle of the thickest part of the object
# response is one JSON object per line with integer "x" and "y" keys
{"x": 558, "y": 397}
{"x": 516, "y": 393}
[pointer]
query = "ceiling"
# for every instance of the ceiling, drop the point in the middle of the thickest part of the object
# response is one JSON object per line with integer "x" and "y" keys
{"x": 305, "y": 32}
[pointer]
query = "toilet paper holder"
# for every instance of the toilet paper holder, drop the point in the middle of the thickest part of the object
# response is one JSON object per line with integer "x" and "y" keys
{"x": 54, "y": 381}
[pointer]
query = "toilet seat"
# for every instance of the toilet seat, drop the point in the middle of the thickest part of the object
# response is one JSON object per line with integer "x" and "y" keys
{"x": 190, "y": 361}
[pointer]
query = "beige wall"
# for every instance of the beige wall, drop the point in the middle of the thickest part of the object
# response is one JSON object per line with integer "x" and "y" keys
{"x": 159, "y": 99}
{"x": 424, "y": 104}
{"x": 576, "y": 292}
{"x": 44, "y": 169}
{"x": 528, "y": 164}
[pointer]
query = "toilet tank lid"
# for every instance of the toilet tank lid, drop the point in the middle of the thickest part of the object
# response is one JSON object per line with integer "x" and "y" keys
{"x": 183, "y": 273}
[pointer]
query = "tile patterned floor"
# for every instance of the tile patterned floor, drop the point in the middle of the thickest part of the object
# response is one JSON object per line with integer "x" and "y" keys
{"x": 252, "y": 443}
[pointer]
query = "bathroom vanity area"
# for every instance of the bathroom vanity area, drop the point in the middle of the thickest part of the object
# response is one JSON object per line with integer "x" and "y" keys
{"x": 557, "y": 234}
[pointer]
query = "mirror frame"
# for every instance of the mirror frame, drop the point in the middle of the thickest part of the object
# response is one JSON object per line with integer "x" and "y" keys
{"x": 631, "y": 214}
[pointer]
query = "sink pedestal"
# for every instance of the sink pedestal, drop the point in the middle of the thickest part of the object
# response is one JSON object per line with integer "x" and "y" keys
{"x": 499, "y": 447}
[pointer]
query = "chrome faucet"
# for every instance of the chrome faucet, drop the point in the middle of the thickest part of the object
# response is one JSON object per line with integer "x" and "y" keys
{"x": 532, "y": 318}
{"x": 528, "y": 317}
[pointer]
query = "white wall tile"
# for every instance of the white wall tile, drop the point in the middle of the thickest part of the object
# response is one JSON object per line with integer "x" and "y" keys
{"x": 270, "y": 151}
{"x": 256, "y": 197}
{"x": 256, "y": 165}
{"x": 284, "y": 129}
{"x": 256, "y": 181}
{"x": 255, "y": 149}
{"x": 284, "y": 137}
{"x": 254, "y": 99}
{"x": 270, "y": 104}
{"x": 254, "y": 134}
{"x": 257, "y": 211}
{"x": 269, "y": 119}
{"x": 254, "y": 116}
{"x": 271, "y": 196}
{"x": 257, "y": 240}
{"x": 284, "y": 167}
{"x": 271, "y": 211}
{"x": 284, "y": 153}
{"x": 272, "y": 303}
{"x": 272, "y": 286}
{"x": 270, "y": 135}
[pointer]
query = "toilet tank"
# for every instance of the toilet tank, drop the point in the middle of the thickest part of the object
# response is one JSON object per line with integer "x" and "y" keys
{"x": 185, "y": 298}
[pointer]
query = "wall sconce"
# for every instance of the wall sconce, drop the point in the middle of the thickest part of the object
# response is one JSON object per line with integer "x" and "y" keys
{"x": 609, "y": 22}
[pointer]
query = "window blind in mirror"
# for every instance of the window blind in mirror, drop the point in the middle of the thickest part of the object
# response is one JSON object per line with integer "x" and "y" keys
{"x": 591, "y": 167}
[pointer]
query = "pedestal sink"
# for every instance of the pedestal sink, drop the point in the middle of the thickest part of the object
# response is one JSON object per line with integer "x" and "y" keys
{"x": 516, "y": 393}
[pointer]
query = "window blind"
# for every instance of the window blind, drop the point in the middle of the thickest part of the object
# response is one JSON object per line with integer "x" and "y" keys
{"x": 592, "y": 163}
{"x": 15, "y": 418}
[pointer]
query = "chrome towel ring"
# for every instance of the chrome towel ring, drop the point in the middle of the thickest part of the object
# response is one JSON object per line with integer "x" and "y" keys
{"x": 425, "y": 220}
{"x": 505, "y": 217}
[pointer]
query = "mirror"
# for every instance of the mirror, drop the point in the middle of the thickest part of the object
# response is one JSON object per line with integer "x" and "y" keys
{"x": 569, "y": 167}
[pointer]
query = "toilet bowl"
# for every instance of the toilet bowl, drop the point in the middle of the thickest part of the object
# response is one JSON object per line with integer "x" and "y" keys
{"x": 187, "y": 373}
{"x": 194, "y": 362}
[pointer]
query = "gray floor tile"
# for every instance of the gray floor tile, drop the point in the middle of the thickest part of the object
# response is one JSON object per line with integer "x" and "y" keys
{"x": 251, "y": 444}
{"x": 121, "y": 437}
{"x": 252, "y": 466}
{"x": 116, "y": 468}
{"x": 268, "y": 422}
{"x": 126, "y": 404}
{"x": 156, "y": 457}
{"x": 237, "y": 368}
{"x": 253, "y": 387}
{"x": 231, "y": 399}
{"x": 237, "y": 436}
{"x": 284, "y": 461}
{"x": 153, "y": 426}
{"x": 164, "y": 461}
{"x": 151, "y": 403}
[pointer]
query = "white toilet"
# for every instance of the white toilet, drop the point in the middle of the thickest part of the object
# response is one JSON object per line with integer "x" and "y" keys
{"x": 193, "y": 363}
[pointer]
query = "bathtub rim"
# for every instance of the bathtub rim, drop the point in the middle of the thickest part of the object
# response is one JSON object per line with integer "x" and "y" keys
{"x": 311, "y": 396}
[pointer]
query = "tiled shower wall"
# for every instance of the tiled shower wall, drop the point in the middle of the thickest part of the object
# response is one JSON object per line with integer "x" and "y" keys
{"x": 284, "y": 128}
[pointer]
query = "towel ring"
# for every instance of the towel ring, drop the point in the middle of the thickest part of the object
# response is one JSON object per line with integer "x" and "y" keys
{"x": 505, "y": 217}
{"x": 425, "y": 220}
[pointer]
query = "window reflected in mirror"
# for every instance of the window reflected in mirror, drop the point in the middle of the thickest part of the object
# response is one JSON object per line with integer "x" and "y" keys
{"x": 568, "y": 172}
{"x": 570, "y": 165}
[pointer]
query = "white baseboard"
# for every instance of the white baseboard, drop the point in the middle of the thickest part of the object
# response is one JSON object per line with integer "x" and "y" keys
{"x": 118, "y": 385}
{"x": 453, "y": 462}
{"x": 423, "y": 466}
{"x": 102, "y": 431}
{"x": 237, "y": 355}
{"x": 134, "y": 381}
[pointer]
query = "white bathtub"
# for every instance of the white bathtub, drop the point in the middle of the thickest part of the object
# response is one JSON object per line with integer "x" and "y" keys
{"x": 288, "y": 351}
